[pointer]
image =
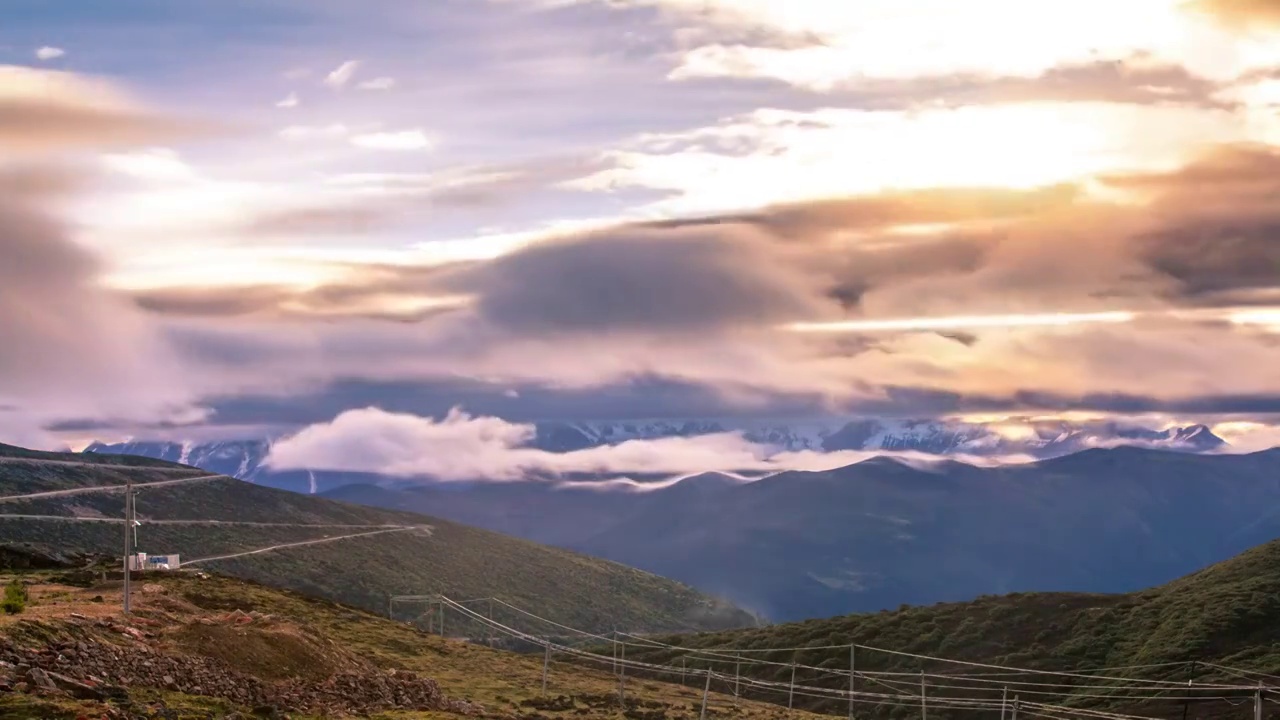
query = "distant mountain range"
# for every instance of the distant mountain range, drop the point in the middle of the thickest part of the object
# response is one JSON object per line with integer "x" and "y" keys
{"x": 1137, "y": 508}
{"x": 243, "y": 458}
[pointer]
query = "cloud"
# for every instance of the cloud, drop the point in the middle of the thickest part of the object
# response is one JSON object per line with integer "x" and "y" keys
{"x": 815, "y": 45}
{"x": 342, "y": 74}
{"x": 289, "y": 101}
{"x": 70, "y": 345}
{"x": 42, "y": 110}
{"x": 687, "y": 280}
{"x": 395, "y": 140}
{"x": 938, "y": 287}
{"x": 314, "y": 132}
{"x": 775, "y": 156}
{"x": 311, "y": 221}
{"x": 50, "y": 53}
{"x": 1243, "y": 13}
{"x": 462, "y": 447}
{"x": 1249, "y": 436}
{"x": 380, "y": 83}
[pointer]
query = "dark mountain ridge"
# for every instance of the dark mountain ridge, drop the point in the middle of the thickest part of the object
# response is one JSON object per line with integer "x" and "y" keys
{"x": 884, "y": 532}
{"x": 429, "y": 556}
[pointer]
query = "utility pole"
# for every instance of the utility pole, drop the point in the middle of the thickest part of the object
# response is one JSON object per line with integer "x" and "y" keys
{"x": 128, "y": 537}
{"x": 622, "y": 678}
{"x": 546, "y": 662}
{"x": 489, "y": 628}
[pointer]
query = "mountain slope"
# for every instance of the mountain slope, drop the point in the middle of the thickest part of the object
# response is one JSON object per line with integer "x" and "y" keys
{"x": 1227, "y": 614}
{"x": 433, "y": 556}
{"x": 882, "y": 533}
{"x": 213, "y": 646}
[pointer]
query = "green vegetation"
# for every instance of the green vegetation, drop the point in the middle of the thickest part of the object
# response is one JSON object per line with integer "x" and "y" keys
{"x": 15, "y": 597}
{"x": 441, "y": 557}
{"x": 176, "y": 609}
{"x": 1227, "y": 614}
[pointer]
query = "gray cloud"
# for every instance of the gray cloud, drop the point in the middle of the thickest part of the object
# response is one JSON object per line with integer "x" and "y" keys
{"x": 637, "y": 280}
{"x": 68, "y": 343}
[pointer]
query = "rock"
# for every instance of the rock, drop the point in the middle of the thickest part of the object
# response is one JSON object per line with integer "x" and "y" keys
{"x": 75, "y": 689}
{"x": 41, "y": 680}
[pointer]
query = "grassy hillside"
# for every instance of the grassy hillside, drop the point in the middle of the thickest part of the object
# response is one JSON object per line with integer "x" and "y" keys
{"x": 436, "y": 557}
{"x": 224, "y": 636}
{"x": 1227, "y": 614}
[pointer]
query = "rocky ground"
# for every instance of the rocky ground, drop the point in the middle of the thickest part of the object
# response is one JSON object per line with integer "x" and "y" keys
{"x": 251, "y": 660}
{"x": 201, "y": 646}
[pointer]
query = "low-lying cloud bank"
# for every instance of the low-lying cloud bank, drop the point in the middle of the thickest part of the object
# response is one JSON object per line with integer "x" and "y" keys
{"x": 460, "y": 447}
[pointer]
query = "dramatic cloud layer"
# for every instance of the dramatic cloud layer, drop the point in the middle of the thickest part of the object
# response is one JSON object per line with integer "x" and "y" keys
{"x": 593, "y": 208}
{"x": 462, "y": 447}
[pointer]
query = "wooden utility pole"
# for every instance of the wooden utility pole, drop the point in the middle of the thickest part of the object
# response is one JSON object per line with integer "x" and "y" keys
{"x": 128, "y": 539}
{"x": 546, "y": 662}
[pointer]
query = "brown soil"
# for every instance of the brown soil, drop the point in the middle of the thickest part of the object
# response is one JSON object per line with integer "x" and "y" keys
{"x": 271, "y": 654}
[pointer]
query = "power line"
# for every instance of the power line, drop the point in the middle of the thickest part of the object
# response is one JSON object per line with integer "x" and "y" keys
{"x": 108, "y": 488}
{"x": 244, "y": 523}
{"x": 318, "y": 541}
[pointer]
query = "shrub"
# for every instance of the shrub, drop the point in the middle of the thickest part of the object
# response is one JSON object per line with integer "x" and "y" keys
{"x": 15, "y": 597}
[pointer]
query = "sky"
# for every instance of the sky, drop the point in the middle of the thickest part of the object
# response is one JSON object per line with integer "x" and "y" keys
{"x": 221, "y": 216}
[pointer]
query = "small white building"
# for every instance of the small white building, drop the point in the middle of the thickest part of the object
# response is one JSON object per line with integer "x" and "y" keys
{"x": 143, "y": 561}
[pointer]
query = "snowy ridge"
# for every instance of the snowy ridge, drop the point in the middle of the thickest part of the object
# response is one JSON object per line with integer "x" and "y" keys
{"x": 243, "y": 459}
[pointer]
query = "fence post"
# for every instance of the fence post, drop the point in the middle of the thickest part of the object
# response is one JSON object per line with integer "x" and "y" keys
{"x": 852, "y": 667}
{"x": 682, "y": 670}
{"x": 737, "y": 674}
{"x": 1016, "y": 702}
{"x": 706, "y": 690}
{"x": 924, "y": 706}
{"x": 791, "y": 692}
{"x": 1004, "y": 699}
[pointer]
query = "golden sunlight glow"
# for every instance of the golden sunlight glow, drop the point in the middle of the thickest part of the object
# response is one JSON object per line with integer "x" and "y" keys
{"x": 1268, "y": 318}
{"x": 796, "y": 156}
{"x": 892, "y": 39}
